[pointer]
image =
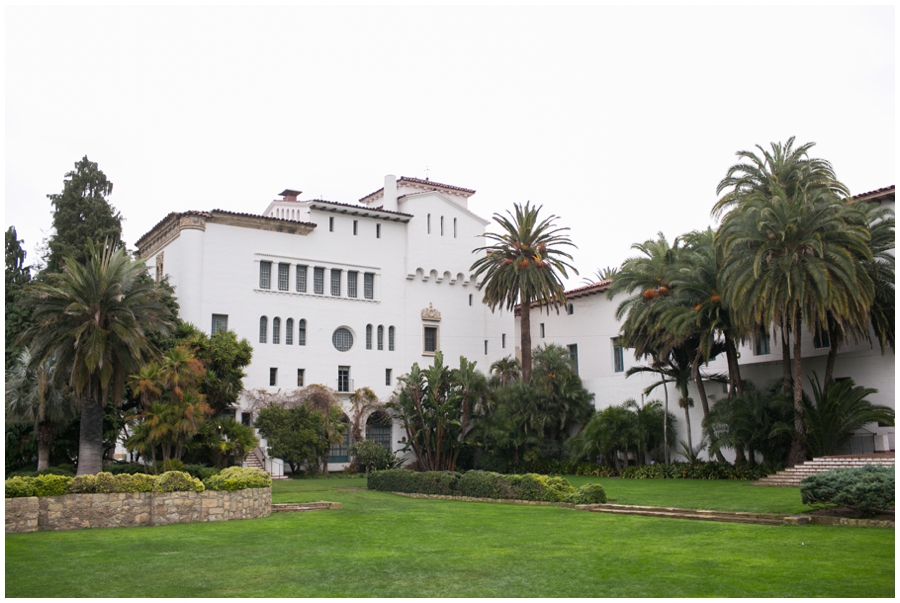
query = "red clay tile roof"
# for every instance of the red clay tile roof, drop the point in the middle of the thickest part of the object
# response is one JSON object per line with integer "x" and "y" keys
{"x": 591, "y": 289}
{"x": 209, "y": 214}
{"x": 426, "y": 183}
{"x": 362, "y": 207}
{"x": 875, "y": 195}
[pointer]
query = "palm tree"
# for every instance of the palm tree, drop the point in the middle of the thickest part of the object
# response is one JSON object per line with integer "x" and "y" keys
{"x": 95, "y": 317}
{"x": 523, "y": 267}
{"x": 35, "y": 395}
{"x": 506, "y": 369}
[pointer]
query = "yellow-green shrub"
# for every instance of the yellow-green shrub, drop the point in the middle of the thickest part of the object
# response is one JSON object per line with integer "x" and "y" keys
{"x": 238, "y": 478}
{"x": 98, "y": 483}
{"x": 178, "y": 481}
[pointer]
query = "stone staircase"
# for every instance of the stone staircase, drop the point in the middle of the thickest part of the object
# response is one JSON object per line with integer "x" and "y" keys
{"x": 253, "y": 460}
{"x": 791, "y": 476}
{"x": 768, "y": 519}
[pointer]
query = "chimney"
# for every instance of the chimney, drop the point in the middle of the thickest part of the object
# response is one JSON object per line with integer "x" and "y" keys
{"x": 390, "y": 193}
{"x": 289, "y": 194}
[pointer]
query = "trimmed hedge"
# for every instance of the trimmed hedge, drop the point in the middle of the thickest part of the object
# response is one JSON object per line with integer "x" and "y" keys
{"x": 237, "y": 478}
{"x": 589, "y": 494}
{"x": 867, "y": 489}
{"x": 233, "y": 478}
{"x": 699, "y": 470}
{"x": 474, "y": 484}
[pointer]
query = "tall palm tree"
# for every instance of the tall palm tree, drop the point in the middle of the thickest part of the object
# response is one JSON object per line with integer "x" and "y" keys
{"x": 34, "y": 394}
{"x": 95, "y": 317}
{"x": 523, "y": 266}
{"x": 789, "y": 261}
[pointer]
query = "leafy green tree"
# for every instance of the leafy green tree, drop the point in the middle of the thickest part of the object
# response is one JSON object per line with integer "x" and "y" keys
{"x": 523, "y": 266}
{"x": 18, "y": 316}
{"x": 224, "y": 358}
{"x": 94, "y": 317}
{"x": 622, "y": 429}
{"x": 81, "y": 213}
{"x": 36, "y": 395}
{"x": 293, "y": 434}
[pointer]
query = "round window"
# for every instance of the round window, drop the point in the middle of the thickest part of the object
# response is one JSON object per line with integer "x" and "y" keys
{"x": 342, "y": 339}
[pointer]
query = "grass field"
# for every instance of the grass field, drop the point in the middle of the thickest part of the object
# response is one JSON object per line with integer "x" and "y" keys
{"x": 389, "y": 546}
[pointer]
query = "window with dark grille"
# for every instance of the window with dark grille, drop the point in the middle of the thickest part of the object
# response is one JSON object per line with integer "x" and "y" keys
{"x": 543, "y": 331}
{"x": 330, "y": 224}
{"x": 503, "y": 341}
{"x": 343, "y": 380}
{"x": 454, "y": 228}
{"x": 351, "y": 283}
{"x": 273, "y": 376}
{"x": 618, "y": 357}
{"x": 247, "y": 419}
{"x": 761, "y": 344}
{"x": 573, "y": 352}
{"x": 387, "y": 376}
{"x": 485, "y": 347}
{"x": 369, "y": 285}
{"x": 301, "y": 374}
{"x": 265, "y": 275}
{"x": 378, "y": 231}
{"x": 289, "y": 331}
{"x": 219, "y": 323}
{"x": 342, "y": 339}
{"x": 380, "y": 337}
{"x": 368, "y": 337}
{"x": 821, "y": 339}
{"x": 378, "y": 429}
{"x": 355, "y": 226}
{"x": 431, "y": 339}
{"x": 390, "y": 339}
{"x": 276, "y": 330}
{"x": 339, "y": 453}
{"x": 301, "y": 278}
{"x": 301, "y": 332}
{"x": 335, "y": 282}
{"x": 442, "y": 225}
{"x": 284, "y": 273}
{"x": 263, "y": 327}
{"x": 318, "y": 280}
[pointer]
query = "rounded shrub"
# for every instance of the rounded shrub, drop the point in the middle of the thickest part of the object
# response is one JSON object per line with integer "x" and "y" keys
{"x": 238, "y": 478}
{"x": 178, "y": 481}
{"x": 867, "y": 489}
{"x": 589, "y": 494}
{"x": 135, "y": 482}
{"x": 19, "y": 486}
{"x": 98, "y": 483}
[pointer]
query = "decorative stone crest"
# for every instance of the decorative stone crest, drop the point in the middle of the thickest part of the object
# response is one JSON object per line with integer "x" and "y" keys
{"x": 430, "y": 313}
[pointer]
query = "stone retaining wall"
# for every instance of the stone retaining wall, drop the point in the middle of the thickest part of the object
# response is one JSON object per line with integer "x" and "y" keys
{"x": 77, "y": 511}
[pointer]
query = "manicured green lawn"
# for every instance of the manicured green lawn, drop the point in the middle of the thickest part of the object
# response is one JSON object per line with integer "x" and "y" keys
{"x": 389, "y": 546}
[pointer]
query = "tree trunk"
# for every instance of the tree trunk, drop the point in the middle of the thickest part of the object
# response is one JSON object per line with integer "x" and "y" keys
{"x": 687, "y": 421}
{"x": 785, "y": 357}
{"x": 665, "y": 419}
{"x": 526, "y": 339}
{"x": 832, "y": 353}
{"x": 734, "y": 368}
{"x": 90, "y": 438}
{"x": 798, "y": 445}
{"x": 701, "y": 391}
{"x": 44, "y": 434}
{"x": 739, "y": 458}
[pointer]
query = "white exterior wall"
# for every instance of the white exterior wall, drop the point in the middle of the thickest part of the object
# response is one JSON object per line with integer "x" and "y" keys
{"x": 216, "y": 271}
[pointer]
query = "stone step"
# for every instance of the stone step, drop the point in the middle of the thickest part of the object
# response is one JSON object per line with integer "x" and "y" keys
{"x": 696, "y": 514}
{"x": 308, "y": 506}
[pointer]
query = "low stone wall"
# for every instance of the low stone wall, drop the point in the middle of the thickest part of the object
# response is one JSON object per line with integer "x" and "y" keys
{"x": 77, "y": 511}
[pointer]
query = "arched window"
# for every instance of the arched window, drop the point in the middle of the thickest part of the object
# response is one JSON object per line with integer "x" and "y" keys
{"x": 380, "y": 337}
{"x": 368, "y": 337}
{"x": 391, "y": 339}
{"x": 289, "y": 332}
{"x": 263, "y": 327}
{"x": 276, "y": 330}
{"x": 570, "y": 309}
{"x": 301, "y": 332}
{"x": 378, "y": 428}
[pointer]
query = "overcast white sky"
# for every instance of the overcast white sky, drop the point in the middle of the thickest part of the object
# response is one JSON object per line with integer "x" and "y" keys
{"x": 621, "y": 121}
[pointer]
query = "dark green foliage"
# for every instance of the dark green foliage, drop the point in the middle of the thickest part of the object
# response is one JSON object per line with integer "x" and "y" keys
{"x": 119, "y": 468}
{"x": 81, "y": 213}
{"x": 698, "y": 470}
{"x": 18, "y": 317}
{"x": 868, "y": 489}
{"x": 372, "y": 456}
{"x": 529, "y": 486}
{"x": 201, "y": 472}
{"x": 238, "y": 478}
{"x": 840, "y": 409}
{"x": 589, "y": 494}
{"x": 224, "y": 356}
{"x": 293, "y": 434}
{"x": 404, "y": 480}
{"x": 66, "y": 471}
{"x": 178, "y": 481}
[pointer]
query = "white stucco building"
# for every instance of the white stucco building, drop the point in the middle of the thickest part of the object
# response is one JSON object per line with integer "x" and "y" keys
{"x": 344, "y": 295}
{"x": 587, "y": 326}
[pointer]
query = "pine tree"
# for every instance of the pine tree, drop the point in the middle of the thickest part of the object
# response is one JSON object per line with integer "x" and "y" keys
{"x": 18, "y": 317}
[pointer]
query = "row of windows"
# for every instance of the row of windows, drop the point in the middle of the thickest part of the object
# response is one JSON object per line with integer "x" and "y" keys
{"x": 355, "y": 228}
{"x": 288, "y": 330}
{"x": 428, "y": 225}
{"x": 343, "y": 382}
{"x": 380, "y": 337}
{"x": 301, "y": 272}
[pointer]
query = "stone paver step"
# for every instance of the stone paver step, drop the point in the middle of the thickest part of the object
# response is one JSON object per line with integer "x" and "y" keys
{"x": 696, "y": 514}
{"x": 307, "y": 506}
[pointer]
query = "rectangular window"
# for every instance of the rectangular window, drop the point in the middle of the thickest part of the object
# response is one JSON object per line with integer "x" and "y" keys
{"x": 284, "y": 272}
{"x": 573, "y": 352}
{"x": 369, "y": 285}
{"x": 387, "y": 376}
{"x": 247, "y": 419}
{"x": 265, "y": 275}
{"x": 618, "y": 357}
{"x": 378, "y": 231}
{"x": 503, "y": 341}
{"x": 761, "y": 344}
{"x": 485, "y": 347}
{"x": 454, "y": 228}
{"x": 330, "y": 224}
{"x": 543, "y": 331}
{"x": 273, "y": 376}
{"x": 219, "y": 323}
{"x": 431, "y": 340}
{"x": 301, "y": 373}
{"x": 340, "y": 453}
{"x": 301, "y": 278}
{"x": 335, "y": 282}
{"x": 821, "y": 340}
{"x": 318, "y": 280}
{"x": 355, "y": 227}
{"x": 343, "y": 381}
{"x": 289, "y": 331}
{"x": 301, "y": 332}
{"x": 442, "y": 225}
{"x": 351, "y": 283}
